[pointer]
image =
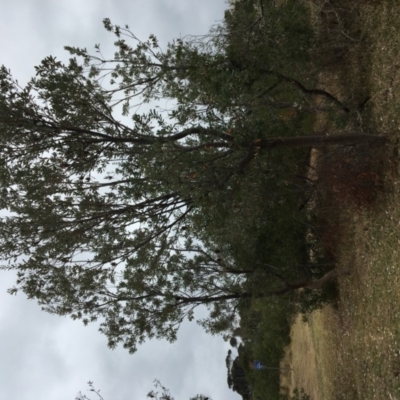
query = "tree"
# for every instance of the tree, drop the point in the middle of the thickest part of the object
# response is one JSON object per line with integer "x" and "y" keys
{"x": 165, "y": 394}
{"x": 106, "y": 216}
{"x": 239, "y": 379}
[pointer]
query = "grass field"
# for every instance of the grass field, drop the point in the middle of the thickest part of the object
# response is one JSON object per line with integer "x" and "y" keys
{"x": 352, "y": 351}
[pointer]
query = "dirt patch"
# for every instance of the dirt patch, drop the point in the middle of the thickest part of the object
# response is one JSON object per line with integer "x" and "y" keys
{"x": 299, "y": 366}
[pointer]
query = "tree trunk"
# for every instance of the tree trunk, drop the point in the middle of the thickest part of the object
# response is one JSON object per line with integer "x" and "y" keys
{"x": 321, "y": 140}
{"x": 316, "y": 140}
{"x": 313, "y": 285}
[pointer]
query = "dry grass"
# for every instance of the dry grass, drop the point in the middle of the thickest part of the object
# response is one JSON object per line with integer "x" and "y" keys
{"x": 301, "y": 357}
{"x": 353, "y": 352}
{"x": 367, "y": 329}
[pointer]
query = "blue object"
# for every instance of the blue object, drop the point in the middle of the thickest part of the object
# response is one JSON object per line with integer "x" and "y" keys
{"x": 258, "y": 365}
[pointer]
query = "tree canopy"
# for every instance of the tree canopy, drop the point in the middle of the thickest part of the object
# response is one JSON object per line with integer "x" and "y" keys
{"x": 101, "y": 211}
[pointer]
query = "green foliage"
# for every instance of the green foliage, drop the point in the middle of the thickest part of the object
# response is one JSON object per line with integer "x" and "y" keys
{"x": 312, "y": 300}
{"x": 240, "y": 383}
{"x": 103, "y": 214}
{"x": 136, "y": 222}
{"x": 273, "y": 35}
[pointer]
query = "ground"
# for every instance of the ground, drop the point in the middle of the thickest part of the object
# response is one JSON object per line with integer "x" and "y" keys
{"x": 351, "y": 350}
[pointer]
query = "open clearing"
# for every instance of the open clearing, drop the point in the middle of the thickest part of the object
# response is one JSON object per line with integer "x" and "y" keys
{"x": 352, "y": 351}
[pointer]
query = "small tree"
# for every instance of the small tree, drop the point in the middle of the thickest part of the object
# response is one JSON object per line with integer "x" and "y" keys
{"x": 160, "y": 392}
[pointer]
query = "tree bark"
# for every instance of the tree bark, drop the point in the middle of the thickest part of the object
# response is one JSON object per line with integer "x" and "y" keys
{"x": 313, "y": 285}
{"x": 316, "y": 140}
{"x": 320, "y": 140}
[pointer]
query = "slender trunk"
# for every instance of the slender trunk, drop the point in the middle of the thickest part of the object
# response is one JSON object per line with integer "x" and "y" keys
{"x": 312, "y": 285}
{"x": 316, "y": 140}
{"x": 320, "y": 140}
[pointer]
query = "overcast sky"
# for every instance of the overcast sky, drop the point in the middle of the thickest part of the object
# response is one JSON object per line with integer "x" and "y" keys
{"x": 45, "y": 357}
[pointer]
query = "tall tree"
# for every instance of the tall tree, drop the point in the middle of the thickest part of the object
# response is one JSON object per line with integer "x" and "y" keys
{"x": 104, "y": 213}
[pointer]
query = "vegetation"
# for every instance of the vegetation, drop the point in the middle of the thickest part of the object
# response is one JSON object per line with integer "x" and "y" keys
{"x": 134, "y": 219}
{"x": 118, "y": 221}
{"x": 159, "y": 392}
